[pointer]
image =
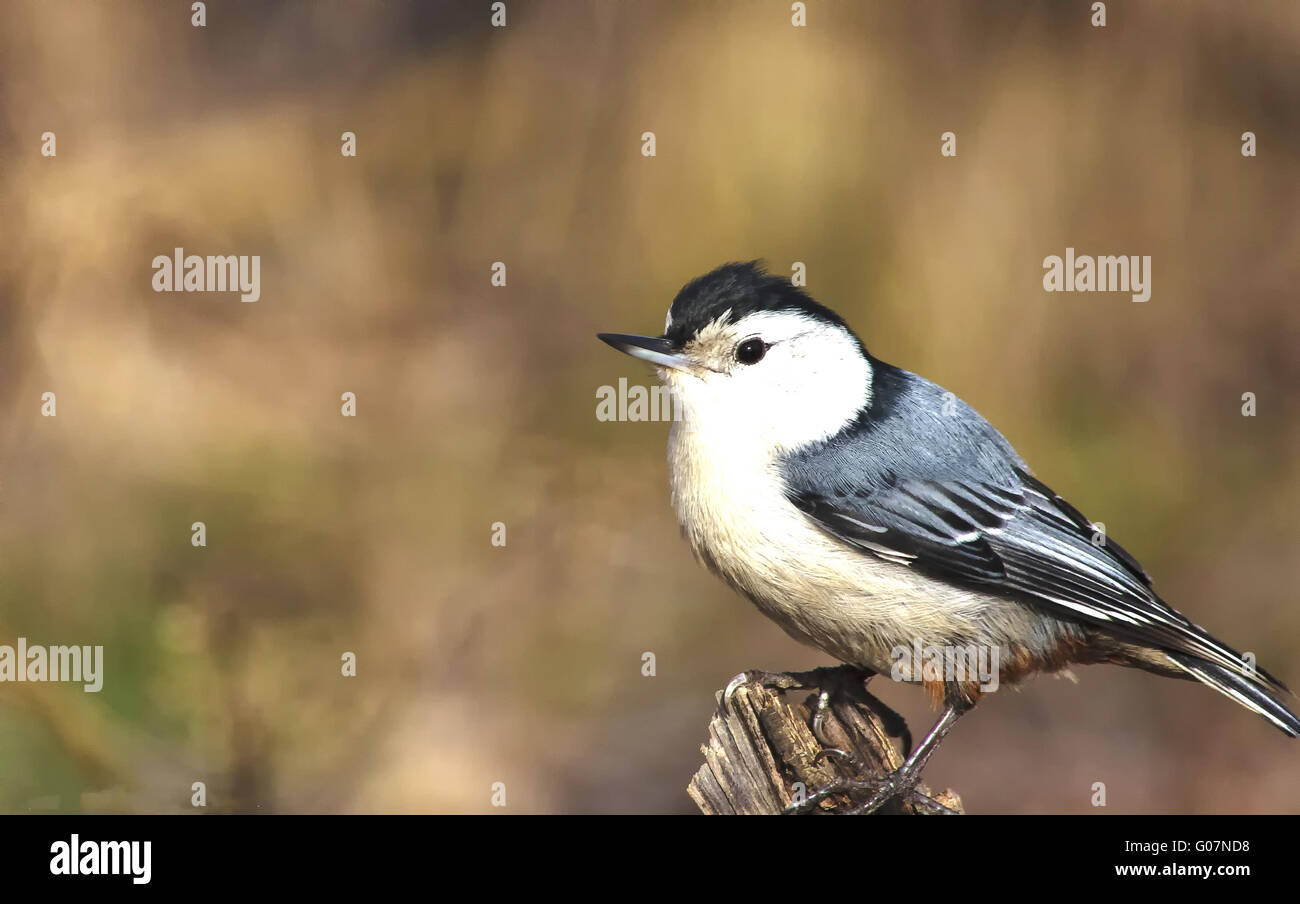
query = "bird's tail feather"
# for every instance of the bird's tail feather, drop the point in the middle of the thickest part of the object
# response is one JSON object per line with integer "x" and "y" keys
{"x": 1250, "y": 691}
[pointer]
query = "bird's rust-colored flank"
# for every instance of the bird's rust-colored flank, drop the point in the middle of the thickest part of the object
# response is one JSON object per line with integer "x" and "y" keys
{"x": 1018, "y": 663}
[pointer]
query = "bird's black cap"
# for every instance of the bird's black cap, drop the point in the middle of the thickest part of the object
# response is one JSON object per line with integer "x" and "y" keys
{"x": 742, "y": 289}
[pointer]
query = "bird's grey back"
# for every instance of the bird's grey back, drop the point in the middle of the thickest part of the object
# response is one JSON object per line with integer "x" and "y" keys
{"x": 913, "y": 430}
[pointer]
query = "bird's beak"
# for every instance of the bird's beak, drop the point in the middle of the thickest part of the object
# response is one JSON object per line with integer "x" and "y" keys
{"x": 647, "y": 348}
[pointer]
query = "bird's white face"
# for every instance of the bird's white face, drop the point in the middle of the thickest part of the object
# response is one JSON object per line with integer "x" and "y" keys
{"x": 774, "y": 381}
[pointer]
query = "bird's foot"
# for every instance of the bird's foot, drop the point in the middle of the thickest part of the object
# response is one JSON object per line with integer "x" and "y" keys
{"x": 784, "y": 681}
{"x": 868, "y": 795}
{"x": 847, "y": 682}
{"x": 901, "y": 783}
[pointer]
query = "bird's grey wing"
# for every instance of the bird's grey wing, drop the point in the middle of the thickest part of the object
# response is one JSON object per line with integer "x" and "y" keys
{"x": 1017, "y": 538}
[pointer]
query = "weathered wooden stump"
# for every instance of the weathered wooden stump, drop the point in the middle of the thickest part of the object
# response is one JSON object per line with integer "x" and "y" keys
{"x": 760, "y": 748}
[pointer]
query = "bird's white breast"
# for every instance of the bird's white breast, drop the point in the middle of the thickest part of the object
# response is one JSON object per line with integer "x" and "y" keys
{"x": 730, "y": 500}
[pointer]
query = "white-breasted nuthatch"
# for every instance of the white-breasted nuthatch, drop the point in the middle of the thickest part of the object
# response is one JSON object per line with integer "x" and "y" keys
{"x": 864, "y": 509}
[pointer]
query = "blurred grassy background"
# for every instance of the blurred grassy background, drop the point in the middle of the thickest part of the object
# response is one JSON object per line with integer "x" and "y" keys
{"x": 476, "y": 404}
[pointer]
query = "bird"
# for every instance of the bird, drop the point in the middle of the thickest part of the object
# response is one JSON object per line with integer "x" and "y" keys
{"x": 867, "y": 510}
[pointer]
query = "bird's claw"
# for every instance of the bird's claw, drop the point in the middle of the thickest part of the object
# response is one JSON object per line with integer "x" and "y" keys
{"x": 827, "y": 752}
{"x": 780, "y": 680}
{"x": 819, "y": 719}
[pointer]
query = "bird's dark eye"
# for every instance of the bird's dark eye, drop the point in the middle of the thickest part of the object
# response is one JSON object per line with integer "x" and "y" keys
{"x": 751, "y": 351}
